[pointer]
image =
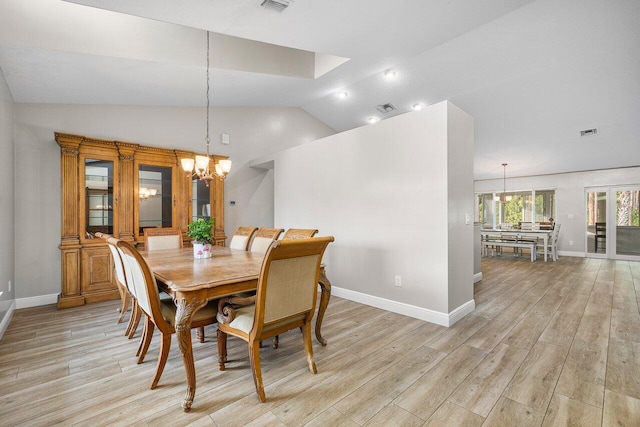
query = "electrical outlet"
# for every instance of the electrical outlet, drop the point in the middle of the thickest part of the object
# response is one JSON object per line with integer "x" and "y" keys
{"x": 570, "y": 242}
{"x": 398, "y": 281}
{"x": 9, "y": 285}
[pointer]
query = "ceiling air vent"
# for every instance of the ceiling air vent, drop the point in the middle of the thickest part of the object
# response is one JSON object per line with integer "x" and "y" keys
{"x": 277, "y": 5}
{"x": 587, "y": 132}
{"x": 386, "y": 108}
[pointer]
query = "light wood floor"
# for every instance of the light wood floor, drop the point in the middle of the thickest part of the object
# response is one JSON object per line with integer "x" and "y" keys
{"x": 548, "y": 344}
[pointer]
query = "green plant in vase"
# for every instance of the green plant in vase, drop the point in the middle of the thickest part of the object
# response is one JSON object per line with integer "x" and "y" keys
{"x": 201, "y": 231}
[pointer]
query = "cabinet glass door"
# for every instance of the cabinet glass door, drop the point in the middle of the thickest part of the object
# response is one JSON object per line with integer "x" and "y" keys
{"x": 155, "y": 195}
{"x": 200, "y": 200}
{"x": 99, "y": 197}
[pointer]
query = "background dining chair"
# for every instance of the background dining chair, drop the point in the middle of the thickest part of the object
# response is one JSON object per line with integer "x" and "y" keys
{"x": 552, "y": 243}
{"x": 601, "y": 234}
{"x": 160, "y": 314}
{"x": 166, "y": 238}
{"x": 286, "y": 299}
{"x": 299, "y": 233}
{"x": 125, "y": 296}
{"x": 162, "y": 238}
{"x": 241, "y": 238}
{"x": 263, "y": 239}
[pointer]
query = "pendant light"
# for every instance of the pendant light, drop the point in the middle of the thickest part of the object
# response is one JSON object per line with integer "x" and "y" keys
{"x": 201, "y": 163}
{"x": 504, "y": 197}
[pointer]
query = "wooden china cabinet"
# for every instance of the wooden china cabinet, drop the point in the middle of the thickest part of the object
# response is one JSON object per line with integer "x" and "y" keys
{"x": 120, "y": 188}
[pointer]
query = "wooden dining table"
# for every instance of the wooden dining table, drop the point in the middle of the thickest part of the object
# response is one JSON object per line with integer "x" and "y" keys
{"x": 192, "y": 282}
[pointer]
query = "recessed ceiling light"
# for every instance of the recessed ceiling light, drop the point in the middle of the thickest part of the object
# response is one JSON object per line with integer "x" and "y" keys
{"x": 373, "y": 119}
{"x": 417, "y": 107}
{"x": 390, "y": 74}
{"x": 343, "y": 94}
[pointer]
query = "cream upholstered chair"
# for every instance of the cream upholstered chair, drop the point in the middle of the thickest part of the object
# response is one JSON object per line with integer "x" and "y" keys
{"x": 162, "y": 238}
{"x": 263, "y": 239}
{"x": 121, "y": 281}
{"x": 160, "y": 314}
{"x": 166, "y": 238}
{"x": 286, "y": 299}
{"x": 241, "y": 238}
{"x": 136, "y": 314}
{"x": 299, "y": 233}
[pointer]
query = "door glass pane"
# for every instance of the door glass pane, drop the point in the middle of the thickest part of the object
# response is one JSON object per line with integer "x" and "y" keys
{"x": 597, "y": 222}
{"x": 200, "y": 202}
{"x": 99, "y": 196}
{"x": 155, "y": 194}
{"x": 628, "y": 222}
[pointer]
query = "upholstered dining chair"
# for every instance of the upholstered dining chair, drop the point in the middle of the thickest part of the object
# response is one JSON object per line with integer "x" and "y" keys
{"x": 263, "y": 239}
{"x": 160, "y": 314}
{"x": 286, "y": 299}
{"x": 121, "y": 281}
{"x": 242, "y": 237}
{"x": 121, "y": 267}
{"x": 166, "y": 238}
{"x": 299, "y": 233}
{"x": 162, "y": 238}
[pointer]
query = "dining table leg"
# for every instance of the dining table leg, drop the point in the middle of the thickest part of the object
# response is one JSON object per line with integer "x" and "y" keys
{"x": 325, "y": 286}
{"x": 186, "y": 307}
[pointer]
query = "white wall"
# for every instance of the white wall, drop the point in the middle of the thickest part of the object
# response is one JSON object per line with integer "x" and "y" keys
{"x": 570, "y": 198}
{"x": 394, "y": 195}
{"x": 7, "y": 179}
{"x": 253, "y": 132}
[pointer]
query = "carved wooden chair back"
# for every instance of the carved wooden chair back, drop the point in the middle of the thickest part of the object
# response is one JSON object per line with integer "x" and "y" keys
{"x": 299, "y": 233}
{"x": 241, "y": 238}
{"x": 263, "y": 238}
{"x": 286, "y": 299}
{"x": 162, "y": 238}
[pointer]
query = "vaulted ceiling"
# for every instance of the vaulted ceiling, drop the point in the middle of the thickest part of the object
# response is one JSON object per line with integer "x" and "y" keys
{"x": 533, "y": 74}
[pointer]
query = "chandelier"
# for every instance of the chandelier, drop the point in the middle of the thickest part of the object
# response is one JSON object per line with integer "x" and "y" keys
{"x": 504, "y": 197}
{"x": 201, "y": 163}
{"x": 145, "y": 193}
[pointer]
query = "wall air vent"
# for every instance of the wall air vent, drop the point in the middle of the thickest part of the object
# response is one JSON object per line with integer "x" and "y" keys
{"x": 588, "y": 132}
{"x": 277, "y": 5}
{"x": 386, "y": 108}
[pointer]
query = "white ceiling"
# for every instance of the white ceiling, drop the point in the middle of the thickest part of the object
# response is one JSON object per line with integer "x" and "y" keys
{"x": 531, "y": 73}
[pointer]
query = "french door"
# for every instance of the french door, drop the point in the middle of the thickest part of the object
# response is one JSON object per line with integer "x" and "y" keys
{"x": 613, "y": 222}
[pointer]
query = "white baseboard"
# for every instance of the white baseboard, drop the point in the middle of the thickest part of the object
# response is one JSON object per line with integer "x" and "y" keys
{"x": 439, "y": 318}
{"x": 572, "y": 254}
{"x": 477, "y": 277}
{"x": 36, "y": 301}
{"x": 4, "y": 323}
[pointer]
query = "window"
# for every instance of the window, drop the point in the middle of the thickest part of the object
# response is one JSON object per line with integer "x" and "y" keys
{"x": 515, "y": 207}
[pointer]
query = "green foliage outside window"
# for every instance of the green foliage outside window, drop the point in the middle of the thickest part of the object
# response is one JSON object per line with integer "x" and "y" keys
{"x": 512, "y": 210}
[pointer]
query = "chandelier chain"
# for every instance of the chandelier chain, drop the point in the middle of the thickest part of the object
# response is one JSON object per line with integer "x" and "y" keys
{"x": 207, "y": 137}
